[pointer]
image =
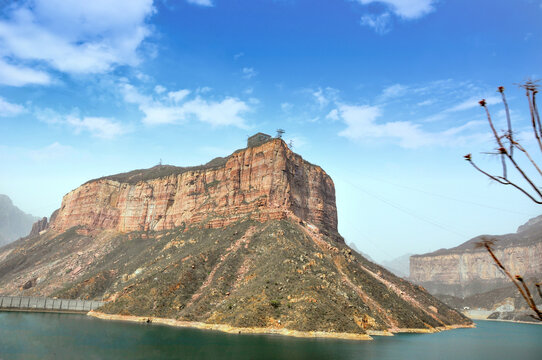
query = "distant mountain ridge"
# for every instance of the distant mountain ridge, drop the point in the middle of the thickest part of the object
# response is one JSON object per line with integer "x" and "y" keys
{"x": 467, "y": 269}
{"x": 400, "y": 266}
{"x": 14, "y": 223}
{"x": 467, "y": 276}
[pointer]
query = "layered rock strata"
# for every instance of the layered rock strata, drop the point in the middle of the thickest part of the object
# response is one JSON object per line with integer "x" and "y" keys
{"x": 467, "y": 269}
{"x": 264, "y": 182}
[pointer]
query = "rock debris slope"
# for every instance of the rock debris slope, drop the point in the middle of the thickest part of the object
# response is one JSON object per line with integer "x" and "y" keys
{"x": 247, "y": 241}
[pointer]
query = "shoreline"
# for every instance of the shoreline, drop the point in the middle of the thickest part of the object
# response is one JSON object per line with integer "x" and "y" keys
{"x": 481, "y": 317}
{"x": 268, "y": 331}
{"x": 511, "y": 321}
{"x": 81, "y": 312}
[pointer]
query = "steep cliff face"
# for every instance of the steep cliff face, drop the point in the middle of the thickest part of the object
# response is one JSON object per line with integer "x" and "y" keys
{"x": 246, "y": 241}
{"x": 263, "y": 182}
{"x": 467, "y": 270}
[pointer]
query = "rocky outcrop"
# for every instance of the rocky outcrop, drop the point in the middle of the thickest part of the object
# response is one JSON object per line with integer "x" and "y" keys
{"x": 39, "y": 226}
{"x": 467, "y": 270}
{"x": 263, "y": 182}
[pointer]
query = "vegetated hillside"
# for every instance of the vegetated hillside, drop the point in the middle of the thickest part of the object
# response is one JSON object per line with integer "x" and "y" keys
{"x": 14, "y": 223}
{"x": 251, "y": 243}
{"x": 278, "y": 273}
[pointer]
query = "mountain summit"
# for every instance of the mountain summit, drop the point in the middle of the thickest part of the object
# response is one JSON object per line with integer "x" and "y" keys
{"x": 14, "y": 223}
{"x": 248, "y": 241}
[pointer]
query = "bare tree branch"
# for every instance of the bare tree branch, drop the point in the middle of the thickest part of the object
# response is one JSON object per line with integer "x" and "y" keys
{"x": 517, "y": 280}
{"x": 502, "y": 181}
{"x": 508, "y": 155}
{"x": 508, "y": 120}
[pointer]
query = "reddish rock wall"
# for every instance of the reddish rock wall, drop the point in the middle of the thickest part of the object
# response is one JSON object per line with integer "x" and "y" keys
{"x": 264, "y": 182}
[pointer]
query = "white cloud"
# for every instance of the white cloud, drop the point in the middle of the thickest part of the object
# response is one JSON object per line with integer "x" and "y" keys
{"x": 472, "y": 103}
{"x": 159, "y": 89}
{"x": 286, "y": 106}
{"x": 333, "y": 115}
{"x": 203, "y": 90}
{"x": 426, "y": 102}
{"x": 406, "y": 9}
{"x": 381, "y": 24}
{"x": 321, "y": 99}
{"x": 179, "y": 95}
{"x": 72, "y": 36}
{"x": 394, "y": 91}
{"x": 227, "y": 112}
{"x": 361, "y": 125}
{"x": 8, "y": 109}
{"x": 324, "y": 97}
{"x": 200, "y": 2}
{"x": 100, "y": 127}
{"x": 52, "y": 151}
{"x": 249, "y": 73}
{"x": 19, "y": 75}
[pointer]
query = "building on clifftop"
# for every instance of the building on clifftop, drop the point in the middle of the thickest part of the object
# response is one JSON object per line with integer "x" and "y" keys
{"x": 258, "y": 139}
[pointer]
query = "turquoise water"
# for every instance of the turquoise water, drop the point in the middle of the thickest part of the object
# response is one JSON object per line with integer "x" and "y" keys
{"x": 68, "y": 336}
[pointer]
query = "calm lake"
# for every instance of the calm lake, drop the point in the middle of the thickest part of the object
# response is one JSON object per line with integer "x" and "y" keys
{"x": 67, "y": 336}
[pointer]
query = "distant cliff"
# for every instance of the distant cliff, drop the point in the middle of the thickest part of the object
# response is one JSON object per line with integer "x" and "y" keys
{"x": 265, "y": 182}
{"x": 466, "y": 270}
{"x": 14, "y": 223}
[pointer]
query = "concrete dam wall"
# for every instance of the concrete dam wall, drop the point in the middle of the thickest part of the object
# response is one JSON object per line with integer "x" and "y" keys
{"x": 26, "y": 303}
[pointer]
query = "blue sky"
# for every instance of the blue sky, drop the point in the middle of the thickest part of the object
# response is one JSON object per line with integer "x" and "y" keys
{"x": 382, "y": 94}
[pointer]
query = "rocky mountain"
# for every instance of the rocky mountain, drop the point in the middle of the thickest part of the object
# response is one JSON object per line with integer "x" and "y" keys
{"x": 467, "y": 277}
{"x": 466, "y": 270}
{"x": 14, "y": 223}
{"x": 400, "y": 266}
{"x": 247, "y": 241}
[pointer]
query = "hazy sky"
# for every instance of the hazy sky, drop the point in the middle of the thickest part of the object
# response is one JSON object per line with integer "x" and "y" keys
{"x": 382, "y": 94}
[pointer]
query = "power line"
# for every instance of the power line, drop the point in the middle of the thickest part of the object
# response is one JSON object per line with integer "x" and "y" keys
{"x": 447, "y": 197}
{"x": 407, "y": 211}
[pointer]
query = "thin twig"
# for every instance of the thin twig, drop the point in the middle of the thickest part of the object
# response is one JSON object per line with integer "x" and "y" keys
{"x": 509, "y": 122}
{"x": 535, "y": 108}
{"x": 505, "y": 182}
{"x": 533, "y": 119}
{"x": 497, "y": 137}
{"x": 522, "y": 149}
{"x": 530, "y": 302}
{"x": 502, "y": 149}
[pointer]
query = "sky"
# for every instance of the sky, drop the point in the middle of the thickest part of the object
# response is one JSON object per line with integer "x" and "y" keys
{"x": 383, "y": 95}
